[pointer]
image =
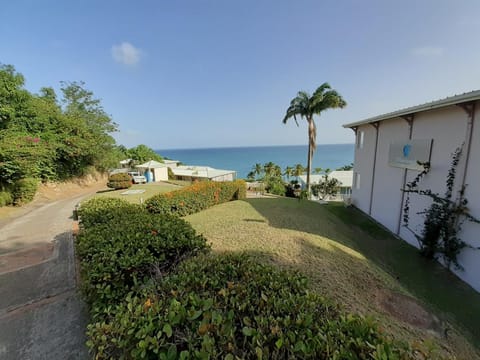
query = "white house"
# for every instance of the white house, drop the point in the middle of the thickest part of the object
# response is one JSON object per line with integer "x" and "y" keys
{"x": 158, "y": 170}
{"x": 386, "y": 153}
{"x": 191, "y": 173}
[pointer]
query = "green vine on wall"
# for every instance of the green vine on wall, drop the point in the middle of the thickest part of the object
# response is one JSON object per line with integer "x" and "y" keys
{"x": 443, "y": 219}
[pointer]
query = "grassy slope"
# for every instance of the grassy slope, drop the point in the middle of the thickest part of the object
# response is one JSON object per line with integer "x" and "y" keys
{"x": 358, "y": 264}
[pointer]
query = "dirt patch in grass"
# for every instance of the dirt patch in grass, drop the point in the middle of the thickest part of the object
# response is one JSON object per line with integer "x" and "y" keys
{"x": 303, "y": 237}
{"x": 409, "y": 310}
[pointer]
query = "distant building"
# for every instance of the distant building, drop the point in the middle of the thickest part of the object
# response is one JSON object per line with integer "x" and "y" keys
{"x": 344, "y": 177}
{"x": 386, "y": 154}
{"x": 191, "y": 173}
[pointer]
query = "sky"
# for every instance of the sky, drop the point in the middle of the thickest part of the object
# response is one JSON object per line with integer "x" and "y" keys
{"x": 221, "y": 73}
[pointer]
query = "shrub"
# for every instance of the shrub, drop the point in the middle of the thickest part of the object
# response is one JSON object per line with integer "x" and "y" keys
{"x": 24, "y": 191}
{"x": 6, "y": 198}
{"x": 119, "y": 181}
{"x": 120, "y": 245}
{"x": 231, "y": 307}
{"x": 196, "y": 197}
{"x": 103, "y": 210}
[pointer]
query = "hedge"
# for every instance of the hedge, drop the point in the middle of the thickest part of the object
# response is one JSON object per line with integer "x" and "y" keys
{"x": 196, "y": 197}
{"x": 6, "y": 198}
{"x": 232, "y": 307}
{"x": 24, "y": 191}
{"x": 119, "y": 181}
{"x": 120, "y": 245}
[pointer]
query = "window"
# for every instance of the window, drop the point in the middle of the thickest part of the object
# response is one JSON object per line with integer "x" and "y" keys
{"x": 360, "y": 139}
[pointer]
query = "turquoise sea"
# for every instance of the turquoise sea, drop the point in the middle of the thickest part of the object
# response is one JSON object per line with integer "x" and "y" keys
{"x": 242, "y": 159}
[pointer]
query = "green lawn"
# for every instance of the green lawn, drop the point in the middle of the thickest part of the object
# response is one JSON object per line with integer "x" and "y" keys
{"x": 150, "y": 190}
{"x": 355, "y": 262}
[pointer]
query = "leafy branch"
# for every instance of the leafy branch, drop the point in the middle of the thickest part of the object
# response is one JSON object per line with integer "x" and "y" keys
{"x": 443, "y": 219}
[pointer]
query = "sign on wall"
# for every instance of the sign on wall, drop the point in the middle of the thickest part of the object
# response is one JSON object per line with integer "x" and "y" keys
{"x": 408, "y": 154}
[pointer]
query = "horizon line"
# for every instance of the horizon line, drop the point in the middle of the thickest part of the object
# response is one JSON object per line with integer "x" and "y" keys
{"x": 251, "y": 146}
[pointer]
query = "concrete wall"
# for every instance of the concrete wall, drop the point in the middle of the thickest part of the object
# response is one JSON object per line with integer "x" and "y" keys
{"x": 386, "y": 200}
{"x": 160, "y": 174}
{"x": 448, "y": 129}
{"x": 363, "y": 165}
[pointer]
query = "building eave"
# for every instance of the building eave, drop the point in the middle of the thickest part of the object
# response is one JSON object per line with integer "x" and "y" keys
{"x": 449, "y": 101}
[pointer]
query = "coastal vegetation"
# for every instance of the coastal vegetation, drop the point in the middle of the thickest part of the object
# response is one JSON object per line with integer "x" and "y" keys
{"x": 350, "y": 259}
{"x": 306, "y": 106}
{"x": 162, "y": 294}
{"x": 49, "y": 137}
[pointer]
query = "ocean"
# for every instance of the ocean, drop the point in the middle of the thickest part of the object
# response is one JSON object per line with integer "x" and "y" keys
{"x": 242, "y": 159}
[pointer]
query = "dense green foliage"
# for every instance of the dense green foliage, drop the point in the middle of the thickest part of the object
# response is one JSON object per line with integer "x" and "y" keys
{"x": 24, "y": 191}
{"x": 119, "y": 181}
{"x": 47, "y": 138}
{"x": 121, "y": 244}
{"x": 227, "y": 307}
{"x": 208, "y": 307}
{"x": 196, "y": 197}
{"x": 140, "y": 154}
{"x": 6, "y": 198}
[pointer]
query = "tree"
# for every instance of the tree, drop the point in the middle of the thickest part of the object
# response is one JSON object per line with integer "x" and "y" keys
{"x": 298, "y": 170}
{"x": 288, "y": 172}
{"x": 346, "y": 167}
{"x": 317, "y": 170}
{"x": 306, "y": 107}
{"x": 142, "y": 153}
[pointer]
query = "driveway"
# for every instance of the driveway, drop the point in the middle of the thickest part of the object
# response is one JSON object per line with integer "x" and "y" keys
{"x": 42, "y": 315}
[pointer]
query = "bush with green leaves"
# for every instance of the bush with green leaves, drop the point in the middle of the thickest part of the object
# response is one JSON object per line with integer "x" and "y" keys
{"x": 119, "y": 181}
{"x": 196, "y": 197}
{"x": 6, "y": 198}
{"x": 24, "y": 191}
{"x": 233, "y": 307}
{"x": 120, "y": 245}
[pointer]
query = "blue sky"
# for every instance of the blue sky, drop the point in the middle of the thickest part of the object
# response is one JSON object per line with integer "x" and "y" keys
{"x": 214, "y": 73}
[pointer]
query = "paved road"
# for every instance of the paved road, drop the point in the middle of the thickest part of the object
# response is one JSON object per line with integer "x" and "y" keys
{"x": 41, "y": 314}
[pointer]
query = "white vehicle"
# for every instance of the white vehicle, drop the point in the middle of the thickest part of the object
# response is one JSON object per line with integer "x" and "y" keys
{"x": 137, "y": 178}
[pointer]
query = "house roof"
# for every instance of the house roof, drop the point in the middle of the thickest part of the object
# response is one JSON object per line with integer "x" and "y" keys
{"x": 152, "y": 164}
{"x": 200, "y": 171}
{"x": 452, "y": 100}
{"x": 345, "y": 177}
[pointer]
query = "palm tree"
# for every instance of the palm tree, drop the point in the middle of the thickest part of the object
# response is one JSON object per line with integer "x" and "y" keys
{"x": 257, "y": 169}
{"x": 317, "y": 170}
{"x": 298, "y": 170}
{"x": 306, "y": 106}
{"x": 288, "y": 172}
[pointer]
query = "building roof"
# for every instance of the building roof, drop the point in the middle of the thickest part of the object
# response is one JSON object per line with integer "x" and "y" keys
{"x": 345, "y": 177}
{"x": 200, "y": 171}
{"x": 152, "y": 164}
{"x": 452, "y": 100}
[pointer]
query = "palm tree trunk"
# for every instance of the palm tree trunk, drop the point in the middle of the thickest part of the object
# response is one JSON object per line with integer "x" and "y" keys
{"x": 310, "y": 153}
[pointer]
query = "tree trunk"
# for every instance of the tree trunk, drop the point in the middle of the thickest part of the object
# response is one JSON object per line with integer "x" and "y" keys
{"x": 310, "y": 153}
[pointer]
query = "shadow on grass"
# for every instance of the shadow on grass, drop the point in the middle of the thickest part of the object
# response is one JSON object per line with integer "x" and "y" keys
{"x": 429, "y": 281}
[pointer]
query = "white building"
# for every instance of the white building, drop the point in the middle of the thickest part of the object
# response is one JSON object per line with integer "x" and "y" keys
{"x": 386, "y": 154}
{"x": 190, "y": 173}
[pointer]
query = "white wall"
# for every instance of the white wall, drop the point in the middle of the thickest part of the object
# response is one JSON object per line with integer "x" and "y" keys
{"x": 470, "y": 258}
{"x": 387, "y": 196}
{"x": 363, "y": 165}
{"x": 160, "y": 174}
{"x": 448, "y": 128}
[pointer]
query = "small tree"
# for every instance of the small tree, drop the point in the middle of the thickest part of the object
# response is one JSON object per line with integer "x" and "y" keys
{"x": 326, "y": 187}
